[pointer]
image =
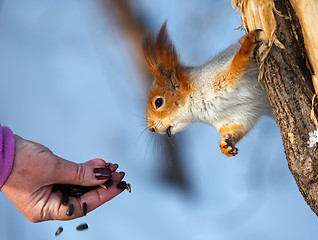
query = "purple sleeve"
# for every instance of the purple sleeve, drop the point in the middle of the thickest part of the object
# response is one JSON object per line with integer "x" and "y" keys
{"x": 6, "y": 153}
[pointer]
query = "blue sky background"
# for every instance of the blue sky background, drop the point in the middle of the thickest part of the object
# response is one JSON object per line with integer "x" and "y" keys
{"x": 68, "y": 81}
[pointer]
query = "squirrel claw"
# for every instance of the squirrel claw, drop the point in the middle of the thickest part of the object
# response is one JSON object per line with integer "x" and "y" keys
{"x": 233, "y": 151}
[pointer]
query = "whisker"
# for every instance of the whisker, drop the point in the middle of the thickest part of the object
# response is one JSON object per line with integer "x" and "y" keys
{"x": 139, "y": 136}
{"x": 160, "y": 148}
{"x": 147, "y": 150}
{"x": 148, "y": 144}
{"x": 140, "y": 116}
{"x": 170, "y": 139}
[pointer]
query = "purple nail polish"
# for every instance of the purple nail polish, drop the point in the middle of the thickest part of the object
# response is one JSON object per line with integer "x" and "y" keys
{"x": 122, "y": 174}
{"x": 102, "y": 173}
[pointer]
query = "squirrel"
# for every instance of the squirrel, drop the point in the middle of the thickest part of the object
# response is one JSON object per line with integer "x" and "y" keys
{"x": 223, "y": 92}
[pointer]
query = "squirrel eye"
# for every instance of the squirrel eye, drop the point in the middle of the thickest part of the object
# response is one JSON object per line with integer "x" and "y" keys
{"x": 158, "y": 102}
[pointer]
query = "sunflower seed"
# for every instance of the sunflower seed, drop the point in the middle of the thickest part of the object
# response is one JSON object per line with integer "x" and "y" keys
{"x": 108, "y": 183}
{"x": 84, "y": 206}
{"x": 64, "y": 198}
{"x": 58, "y": 231}
{"x": 70, "y": 210}
{"x": 121, "y": 185}
{"x": 82, "y": 227}
{"x": 128, "y": 187}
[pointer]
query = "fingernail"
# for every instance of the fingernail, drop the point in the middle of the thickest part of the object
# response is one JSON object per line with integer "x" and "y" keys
{"x": 102, "y": 173}
{"x": 122, "y": 174}
{"x": 116, "y": 166}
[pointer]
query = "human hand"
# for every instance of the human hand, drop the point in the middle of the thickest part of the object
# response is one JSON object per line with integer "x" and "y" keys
{"x": 36, "y": 169}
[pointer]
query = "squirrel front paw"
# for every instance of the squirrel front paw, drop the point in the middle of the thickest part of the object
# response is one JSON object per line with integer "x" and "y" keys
{"x": 254, "y": 35}
{"x": 227, "y": 145}
{"x": 252, "y": 38}
{"x": 250, "y": 41}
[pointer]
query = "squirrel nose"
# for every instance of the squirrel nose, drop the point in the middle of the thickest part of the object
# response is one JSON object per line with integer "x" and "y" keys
{"x": 151, "y": 129}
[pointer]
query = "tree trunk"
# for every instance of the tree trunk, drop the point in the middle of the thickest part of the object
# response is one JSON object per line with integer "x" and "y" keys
{"x": 287, "y": 73}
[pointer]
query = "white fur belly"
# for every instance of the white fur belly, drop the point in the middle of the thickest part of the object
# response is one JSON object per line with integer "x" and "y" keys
{"x": 243, "y": 105}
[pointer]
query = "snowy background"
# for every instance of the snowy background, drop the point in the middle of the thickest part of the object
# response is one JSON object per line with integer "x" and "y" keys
{"x": 68, "y": 81}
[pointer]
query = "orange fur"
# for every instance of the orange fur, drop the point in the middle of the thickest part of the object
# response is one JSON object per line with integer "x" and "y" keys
{"x": 220, "y": 81}
{"x": 236, "y": 132}
{"x": 161, "y": 57}
{"x": 166, "y": 113}
{"x": 171, "y": 80}
{"x": 242, "y": 59}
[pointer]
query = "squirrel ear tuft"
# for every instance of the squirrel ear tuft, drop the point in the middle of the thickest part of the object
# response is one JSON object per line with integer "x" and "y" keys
{"x": 148, "y": 47}
{"x": 160, "y": 54}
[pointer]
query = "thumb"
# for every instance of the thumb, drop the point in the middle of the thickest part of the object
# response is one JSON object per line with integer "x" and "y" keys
{"x": 84, "y": 174}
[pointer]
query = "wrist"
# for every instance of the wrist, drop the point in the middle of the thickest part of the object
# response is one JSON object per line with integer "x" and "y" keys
{"x": 7, "y": 151}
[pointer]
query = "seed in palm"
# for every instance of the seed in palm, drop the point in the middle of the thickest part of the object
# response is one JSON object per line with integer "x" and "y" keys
{"x": 70, "y": 210}
{"x": 84, "y": 206}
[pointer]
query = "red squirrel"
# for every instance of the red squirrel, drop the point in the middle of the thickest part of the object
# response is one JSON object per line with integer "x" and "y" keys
{"x": 224, "y": 92}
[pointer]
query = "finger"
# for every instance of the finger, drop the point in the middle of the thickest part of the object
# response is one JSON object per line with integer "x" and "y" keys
{"x": 100, "y": 162}
{"x": 66, "y": 172}
{"x": 113, "y": 167}
{"x": 96, "y": 162}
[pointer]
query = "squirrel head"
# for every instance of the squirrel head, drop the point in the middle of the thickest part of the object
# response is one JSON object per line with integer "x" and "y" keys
{"x": 170, "y": 90}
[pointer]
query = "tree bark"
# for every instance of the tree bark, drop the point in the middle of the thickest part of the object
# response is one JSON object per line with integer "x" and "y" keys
{"x": 286, "y": 73}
